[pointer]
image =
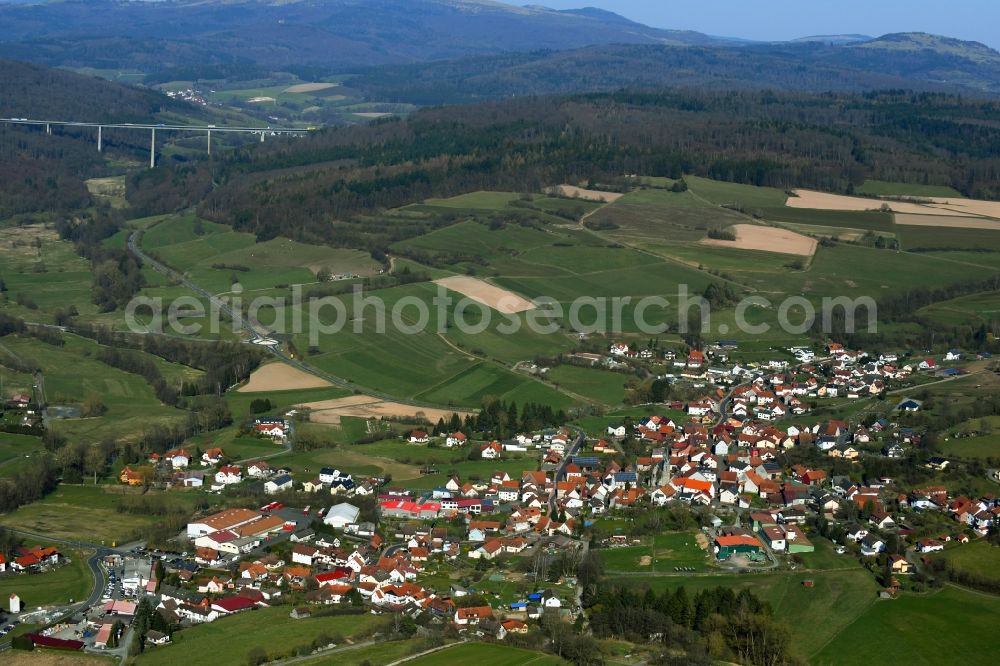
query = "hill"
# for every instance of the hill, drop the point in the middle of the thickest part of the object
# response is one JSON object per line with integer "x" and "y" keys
{"x": 108, "y": 35}
{"x": 762, "y": 138}
{"x": 47, "y": 173}
{"x": 491, "y": 48}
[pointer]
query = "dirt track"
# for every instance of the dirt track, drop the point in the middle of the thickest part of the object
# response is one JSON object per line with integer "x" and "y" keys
{"x": 280, "y": 377}
{"x": 768, "y": 239}
{"x": 489, "y": 295}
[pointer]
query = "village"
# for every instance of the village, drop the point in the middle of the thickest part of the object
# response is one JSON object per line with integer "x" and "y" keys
{"x": 491, "y": 555}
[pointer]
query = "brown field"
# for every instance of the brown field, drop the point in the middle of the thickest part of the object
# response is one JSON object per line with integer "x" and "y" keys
{"x": 947, "y": 221}
{"x": 330, "y": 411}
{"x": 489, "y": 295}
{"x": 968, "y": 206}
{"x": 280, "y": 377}
{"x": 372, "y": 114}
{"x": 827, "y": 201}
{"x": 589, "y": 195}
{"x": 309, "y": 87}
{"x": 767, "y": 239}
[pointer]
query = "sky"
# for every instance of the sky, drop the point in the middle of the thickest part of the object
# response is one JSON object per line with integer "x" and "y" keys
{"x": 977, "y": 20}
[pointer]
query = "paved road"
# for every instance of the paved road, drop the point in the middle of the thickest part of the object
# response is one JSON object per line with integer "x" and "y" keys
{"x": 561, "y": 470}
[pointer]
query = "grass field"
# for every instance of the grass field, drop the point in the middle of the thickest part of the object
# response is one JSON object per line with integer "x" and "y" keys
{"x": 883, "y": 188}
{"x": 951, "y": 238}
{"x": 948, "y": 626}
{"x": 663, "y": 553}
{"x": 36, "y": 263}
{"x": 978, "y": 557}
{"x": 14, "y": 449}
{"x": 217, "y": 255}
{"x": 971, "y": 310}
{"x": 70, "y": 581}
{"x": 71, "y": 374}
{"x": 815, "y": 615}
{"x": 486, "y": 653}
{"x": 269, "y": 628}
{"x": 603, "y": 386}
{"x": 88, "y": 513}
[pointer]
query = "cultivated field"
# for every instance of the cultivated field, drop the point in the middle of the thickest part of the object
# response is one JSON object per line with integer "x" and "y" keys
{"x": 947, "y": 221}
{"x": 40, "y": 657}
{"x": 769, "y": 239}
{"x": 827, "y": 201}
{"x": 331, "y": 411}
{"x": 574, "y": 192}
{"x": 489, "y": 295}
{"x": 280, "y": 377}
{"x": 309, "y": 87}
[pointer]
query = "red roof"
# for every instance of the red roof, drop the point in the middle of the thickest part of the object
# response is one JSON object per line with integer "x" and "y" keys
{"x": 737, "y": 540}
{"x": 233, "y": 604}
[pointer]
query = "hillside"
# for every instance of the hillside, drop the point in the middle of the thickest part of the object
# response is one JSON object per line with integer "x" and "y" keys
{"x": 537, "y": 50}
{"x": 782, "y": 140}
{"x": 47, "y": 173}
{"x": 107, "y": 35}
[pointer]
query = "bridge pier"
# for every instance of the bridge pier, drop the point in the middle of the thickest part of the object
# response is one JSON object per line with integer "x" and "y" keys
{"x": 209, "y": 143}
{"x": 262, "y": 137}
{"x": 48, "y": 128}
{"x": 100, "y": 144}
{"x": 152, "y": 148}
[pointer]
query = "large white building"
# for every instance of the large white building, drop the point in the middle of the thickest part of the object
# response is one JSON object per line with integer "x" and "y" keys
{"x": 341, "y": 515}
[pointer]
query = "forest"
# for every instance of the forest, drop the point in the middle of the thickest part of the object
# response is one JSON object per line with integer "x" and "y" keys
{"x": 327, "y": 187}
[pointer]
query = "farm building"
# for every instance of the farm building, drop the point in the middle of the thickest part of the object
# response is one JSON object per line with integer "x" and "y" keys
{"x": 727, "y": 546}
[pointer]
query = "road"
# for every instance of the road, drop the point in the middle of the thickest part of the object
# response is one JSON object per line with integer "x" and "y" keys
{"x": 93, "y": 564}
{"x": 561, "y": 470}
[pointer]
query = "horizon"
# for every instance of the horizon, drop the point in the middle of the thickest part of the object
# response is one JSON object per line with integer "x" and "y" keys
{"x": 784, "y": 20}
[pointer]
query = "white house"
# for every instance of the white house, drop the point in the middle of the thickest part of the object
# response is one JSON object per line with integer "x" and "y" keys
{"x": 229, "y": 474}
{"x": 278, "y": 484}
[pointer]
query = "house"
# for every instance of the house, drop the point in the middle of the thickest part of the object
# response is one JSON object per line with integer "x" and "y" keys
{"x": 229, "y": 474}
{"x": 472, "y": 615}
{"x": 909, "y": 405}
{"x": 276, "y": 429}
{"x": 278, "y": 484}
{"x": 212, "y": 456}
{"x": 260, "y": 469}
{"x": 929, "y": 546}
{"x": 619, "y": 349}
{"x": 616, "y": 429}
{"x": 872, "y": 545}
{"x": 130, "y": 476}
{"x": 490, "y": 451}
{"x": 178, "y": 458}
{"x": 899, "y": 565}
{"x": 455, "y": 439}
{"x": 419, "y": 437}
